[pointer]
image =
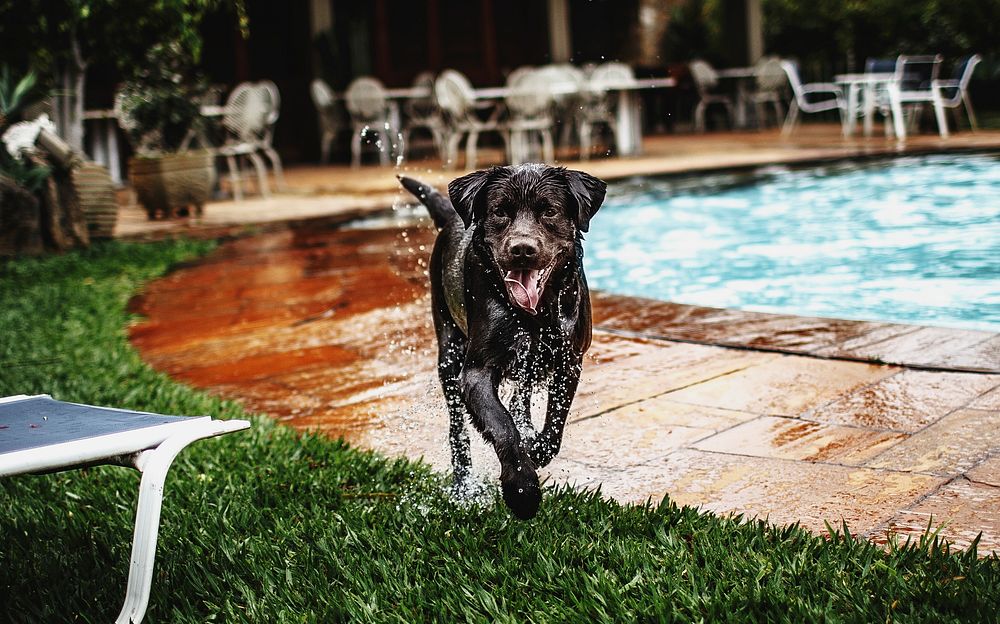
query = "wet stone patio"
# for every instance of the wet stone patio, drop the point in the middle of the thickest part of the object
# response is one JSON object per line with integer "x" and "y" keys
{"x": 887, "y": 427}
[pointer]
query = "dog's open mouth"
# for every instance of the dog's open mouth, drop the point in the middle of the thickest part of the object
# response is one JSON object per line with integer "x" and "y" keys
{"x": 525, "y": 287}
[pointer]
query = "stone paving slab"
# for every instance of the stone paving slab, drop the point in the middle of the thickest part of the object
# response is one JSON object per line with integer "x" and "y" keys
{"x": 330, "y": 330}
{"x": 801, "y": 440}
{"x": 911, "y": 345}
{"x": 961, "y": 508}
{"x": 780, "y": 491}
{"x": 907, "y": 401}
{"x": 987, "y": 401}
{"x": 950, "y": 447}
{"x": 787, "y": 385}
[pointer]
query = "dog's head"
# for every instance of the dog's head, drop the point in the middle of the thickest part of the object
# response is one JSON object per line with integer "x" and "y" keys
{"x": 531, "y": 218}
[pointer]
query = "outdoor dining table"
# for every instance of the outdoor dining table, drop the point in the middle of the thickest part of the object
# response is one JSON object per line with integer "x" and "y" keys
{"x": 628, "y": 112}
{"x": 742, "y": 77}
{"x": 865, "y": 87}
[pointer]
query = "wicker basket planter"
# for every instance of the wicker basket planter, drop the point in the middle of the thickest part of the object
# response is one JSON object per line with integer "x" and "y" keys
{"x": 96, "y": 194}
{"x": 168, "y": 185}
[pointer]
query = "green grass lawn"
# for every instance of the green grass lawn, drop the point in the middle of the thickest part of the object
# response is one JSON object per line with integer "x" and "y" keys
{"x": 274, "y": 526}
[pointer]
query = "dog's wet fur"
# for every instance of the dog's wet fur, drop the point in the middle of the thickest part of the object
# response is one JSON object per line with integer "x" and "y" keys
{"x": 510, "y": 302}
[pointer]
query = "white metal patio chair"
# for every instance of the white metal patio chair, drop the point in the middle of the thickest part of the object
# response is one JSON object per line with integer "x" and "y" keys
{"x": 369, "y": 110}
{"x": 831, "y": 98}
{"x": 530, "y": 106}
{"x": 273, "y": 98}
{"x": 705, "y": 81}
{"x": 913, "y": 88}
{"x": 244, "y": 120}
{"x": 955, "y": 92}
{"x": 600, "y": 106}
{"x": 323, "y": 100}
{"x": 41, "y": 435}
{"x": 457, "y": 100}
{"x": 770, "y": 81}
{"x": 423, "y": 112}
{"x": 568, "y": 85}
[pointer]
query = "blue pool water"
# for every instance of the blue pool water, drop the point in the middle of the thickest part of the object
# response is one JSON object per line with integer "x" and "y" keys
{"x": 912, "y": 240}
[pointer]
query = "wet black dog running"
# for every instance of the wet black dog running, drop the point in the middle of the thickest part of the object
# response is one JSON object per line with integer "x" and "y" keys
{"x": 510, "y": 302}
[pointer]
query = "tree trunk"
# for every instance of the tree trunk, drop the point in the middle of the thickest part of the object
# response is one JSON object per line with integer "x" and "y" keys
{"x": 64, "y": 225}
{"x": 68, "y": 103}
{"x": 20, "y": 221}
{"x": 75, "y": 139}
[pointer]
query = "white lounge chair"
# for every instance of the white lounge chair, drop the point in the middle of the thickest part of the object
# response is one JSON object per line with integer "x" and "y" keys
{"x": 40, "y": 434}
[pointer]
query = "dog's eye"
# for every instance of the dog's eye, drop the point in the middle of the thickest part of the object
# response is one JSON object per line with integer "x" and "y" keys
{"x": 550, "y": 211}
{"x": 502, "y": 212}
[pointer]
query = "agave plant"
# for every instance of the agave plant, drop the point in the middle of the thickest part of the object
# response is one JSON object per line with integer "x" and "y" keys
{"x": 15, "y": 96}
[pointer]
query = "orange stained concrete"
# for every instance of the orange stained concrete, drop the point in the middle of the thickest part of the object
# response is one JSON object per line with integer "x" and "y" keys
{"x": 732, "y": 411}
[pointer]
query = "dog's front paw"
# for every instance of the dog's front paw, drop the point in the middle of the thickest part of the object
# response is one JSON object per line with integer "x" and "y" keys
{"x": 521, "y": 491}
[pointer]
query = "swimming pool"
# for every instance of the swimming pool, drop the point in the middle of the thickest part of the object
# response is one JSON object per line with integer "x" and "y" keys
{"x": 910, "y": 240}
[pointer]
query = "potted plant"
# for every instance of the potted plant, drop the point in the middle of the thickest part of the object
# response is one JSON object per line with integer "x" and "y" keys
{"x": 50, "y": 198}
{"x": 159, "y": 109}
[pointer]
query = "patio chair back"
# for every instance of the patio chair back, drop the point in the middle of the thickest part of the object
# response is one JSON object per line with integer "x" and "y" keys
{"x": 273, "y": 98}
{"x": 454, "y": 94}
{"x": 704, "y": 75}
{"x": 792, "y": 72}
{"x": 366, "y": 101}
{"x": 769, "y": 75}
{"x": 322, "y": 94}
{"x": 964, "y": 70}
{"x": 422, "y": 107}
{"x": 953, "y": 93}
{"x": 916, "y": 73}
{"x": 880, "y": 66}
{"x": 611, "y": 76}
{"x": 565, "y": 81}
{"x": 323, "y": 100}
{"x": 248, "y": 109}
{"x": 514, "y": 77}
{"x": 531, "y": 97}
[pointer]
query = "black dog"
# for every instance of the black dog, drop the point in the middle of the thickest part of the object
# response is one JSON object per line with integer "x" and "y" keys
{"x": 510, "y": 303}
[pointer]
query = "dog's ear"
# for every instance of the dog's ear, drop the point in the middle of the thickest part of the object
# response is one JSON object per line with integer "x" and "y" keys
{"x": 468, "y": 195}
{"x": 588, "y": 193}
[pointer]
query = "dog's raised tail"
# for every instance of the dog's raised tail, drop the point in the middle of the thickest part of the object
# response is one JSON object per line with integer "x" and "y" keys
{"x": 442, "y": 212}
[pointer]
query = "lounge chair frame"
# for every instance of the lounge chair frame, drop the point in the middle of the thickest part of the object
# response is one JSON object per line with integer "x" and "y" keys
{"x": 149, "y": 449}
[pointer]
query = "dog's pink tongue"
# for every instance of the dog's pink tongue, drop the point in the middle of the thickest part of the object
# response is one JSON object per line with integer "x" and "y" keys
{"x": 523, "y": 288}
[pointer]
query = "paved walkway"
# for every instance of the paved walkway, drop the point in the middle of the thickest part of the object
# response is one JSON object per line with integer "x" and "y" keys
{"x": 781, "y": 417}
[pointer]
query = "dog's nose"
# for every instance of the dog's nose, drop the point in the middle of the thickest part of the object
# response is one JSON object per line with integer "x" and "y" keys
{"x": 523, "y": 250}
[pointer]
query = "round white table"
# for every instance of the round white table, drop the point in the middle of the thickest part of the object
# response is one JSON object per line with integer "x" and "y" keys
{"x": 867, "y": 86}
